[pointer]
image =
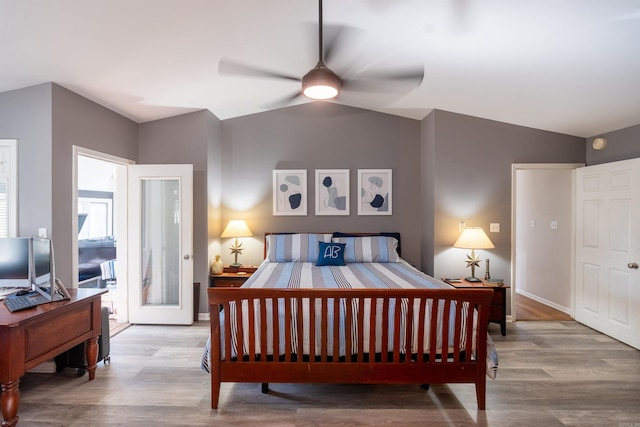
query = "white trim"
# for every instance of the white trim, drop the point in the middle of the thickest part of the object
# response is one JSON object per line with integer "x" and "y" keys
{"x": 544, "y": 301}
{"x": 120, "y": 213}
{"x": 540, "y": 166}
{"x": 12, "y": 176}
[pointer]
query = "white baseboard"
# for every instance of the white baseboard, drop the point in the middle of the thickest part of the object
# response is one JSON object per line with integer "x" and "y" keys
{"x": 544, "y": 301}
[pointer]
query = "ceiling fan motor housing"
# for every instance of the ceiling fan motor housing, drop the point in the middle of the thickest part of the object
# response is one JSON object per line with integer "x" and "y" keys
{"x": 321, "y": 83}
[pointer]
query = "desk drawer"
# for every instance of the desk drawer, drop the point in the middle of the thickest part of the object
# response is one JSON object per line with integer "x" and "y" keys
{"x": 39, "y": 338}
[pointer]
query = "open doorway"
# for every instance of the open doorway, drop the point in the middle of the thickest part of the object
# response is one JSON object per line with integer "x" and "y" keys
{"x": 99, "y": 247}
{"x": 542, "y": 241}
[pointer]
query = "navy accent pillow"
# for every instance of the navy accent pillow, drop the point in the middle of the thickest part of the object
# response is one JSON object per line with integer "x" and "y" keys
{"x": 331, "y": 254}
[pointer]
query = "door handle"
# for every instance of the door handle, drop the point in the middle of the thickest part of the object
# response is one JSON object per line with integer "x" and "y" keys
{"x": 187, "y": 257}
{"x": 633, "y": 265}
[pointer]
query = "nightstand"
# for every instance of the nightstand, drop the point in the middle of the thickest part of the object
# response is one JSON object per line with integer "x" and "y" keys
{"x": 498, "y": 311}
{"x": 232, "y": 277}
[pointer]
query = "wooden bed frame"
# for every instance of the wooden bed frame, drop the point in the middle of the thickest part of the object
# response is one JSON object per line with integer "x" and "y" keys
{"x": 361, "y": 367}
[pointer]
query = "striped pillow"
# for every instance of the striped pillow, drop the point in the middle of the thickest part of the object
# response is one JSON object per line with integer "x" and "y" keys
{"x": 369, "y": 248}
{"x": 299, "y": 247}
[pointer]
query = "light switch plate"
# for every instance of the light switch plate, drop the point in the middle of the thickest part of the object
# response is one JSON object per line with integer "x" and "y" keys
{"x": 494, "y": 227}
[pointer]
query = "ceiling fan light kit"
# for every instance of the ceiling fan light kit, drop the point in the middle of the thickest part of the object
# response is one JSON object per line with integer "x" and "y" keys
{"x": 321, "y": 83}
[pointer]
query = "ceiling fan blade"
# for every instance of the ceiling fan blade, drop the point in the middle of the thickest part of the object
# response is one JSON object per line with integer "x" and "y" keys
{"x": 413, "y": 75}
{"x": 385, "y": 81}
{"x": 283, "y": 102}
{"x": 232, "y": 67}
{"x": 336, "y": 38}
{"x": 461, "y": 16}
{"x": 371, "y": 86}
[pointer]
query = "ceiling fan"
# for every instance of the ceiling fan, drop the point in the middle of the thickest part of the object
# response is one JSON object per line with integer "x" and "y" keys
{"x": 322, "y": 83}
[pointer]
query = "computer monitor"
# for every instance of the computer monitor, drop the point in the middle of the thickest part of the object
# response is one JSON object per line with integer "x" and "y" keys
{"x": 15, "y": 270}
{"x": 42, "y": 258}
{"x": 43, "y": 271}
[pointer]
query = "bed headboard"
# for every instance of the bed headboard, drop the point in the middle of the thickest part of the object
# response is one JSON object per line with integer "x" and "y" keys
{"x": 340, "y": 234}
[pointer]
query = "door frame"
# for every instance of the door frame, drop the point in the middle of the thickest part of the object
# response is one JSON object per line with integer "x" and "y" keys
{"x": 515, "y": 167}
{"x": 120, "y": 216}
{"x": 180, "y": 313}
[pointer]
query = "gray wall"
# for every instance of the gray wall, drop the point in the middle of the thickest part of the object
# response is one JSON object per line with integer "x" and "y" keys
{"x": 79, "y": 121}
{"x": 186, "y": 139}
{"x": 314, "y": 136}
{"x": 47, "y": 120}
{"x": 427, "y": 190}
{"x": 622, "y": 144}
{"x": 542, "y": 270}
{"x": 447, "y": 168}
{"x": 25, "y": 115}
{"x": 472, "y": 181}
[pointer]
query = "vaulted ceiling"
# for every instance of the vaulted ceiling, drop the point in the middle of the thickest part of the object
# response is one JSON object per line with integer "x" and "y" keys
{"x": 569, "y": 66}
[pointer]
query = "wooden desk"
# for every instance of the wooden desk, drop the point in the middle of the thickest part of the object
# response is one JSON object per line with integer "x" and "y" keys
{"x": 498, "y": 313}
{"x": 33, "y": 336}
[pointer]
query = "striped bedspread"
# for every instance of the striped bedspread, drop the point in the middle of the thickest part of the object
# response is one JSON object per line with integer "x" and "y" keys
{"x": 354, "y": 275}
{"x": 390, "y": 275}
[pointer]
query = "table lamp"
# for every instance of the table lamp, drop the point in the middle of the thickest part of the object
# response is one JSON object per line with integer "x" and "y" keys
{"x": 473, "y": 238}
{"x": 236, "y": 228}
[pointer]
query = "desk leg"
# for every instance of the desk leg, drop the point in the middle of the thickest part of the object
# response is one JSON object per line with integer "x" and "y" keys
{"x": 92, "y": 357}
{"x": 10, "y": 403}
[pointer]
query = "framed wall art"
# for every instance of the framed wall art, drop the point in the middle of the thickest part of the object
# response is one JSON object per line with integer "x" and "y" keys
{"x": 374, "y": 192}
{"x": 332, "y": 191}
{"x": 290, "y": 192}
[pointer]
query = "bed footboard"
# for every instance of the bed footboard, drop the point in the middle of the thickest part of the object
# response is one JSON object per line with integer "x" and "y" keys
{"x": 363, "y": 336}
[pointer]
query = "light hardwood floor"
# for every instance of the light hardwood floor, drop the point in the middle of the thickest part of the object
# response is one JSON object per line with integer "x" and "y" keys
{"x": 529, "y": 309}
{"x": 551, "y": 374}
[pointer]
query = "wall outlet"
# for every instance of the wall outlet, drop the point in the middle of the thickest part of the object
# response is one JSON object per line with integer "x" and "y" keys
{"x": 554, "y": 225}
{"x": 42, "y": 232}
{"x": 494, "y": 227}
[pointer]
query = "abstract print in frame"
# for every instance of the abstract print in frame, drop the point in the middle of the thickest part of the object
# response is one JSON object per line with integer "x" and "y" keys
{"x": 332, "y": 191}
{"x": 374, "y": 192}
{"x": 290, "y": 192}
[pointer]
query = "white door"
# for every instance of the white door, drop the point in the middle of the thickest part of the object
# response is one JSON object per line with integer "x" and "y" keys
{"x": 160, "y": 244}
{"x": 608, "y": 249}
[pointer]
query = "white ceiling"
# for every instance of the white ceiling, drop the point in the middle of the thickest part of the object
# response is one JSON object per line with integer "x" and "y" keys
{"x": 570, "y": 66}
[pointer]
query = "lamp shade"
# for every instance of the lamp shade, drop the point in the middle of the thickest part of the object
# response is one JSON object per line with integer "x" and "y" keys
{"x": 237, "y": 228}
{"x": 473, "y": 238}
{"x": 321, "y": 83}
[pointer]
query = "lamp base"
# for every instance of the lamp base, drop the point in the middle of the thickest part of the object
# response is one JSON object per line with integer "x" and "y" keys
{"x": 235, "y": 264}
{"x": 472, "y": 279}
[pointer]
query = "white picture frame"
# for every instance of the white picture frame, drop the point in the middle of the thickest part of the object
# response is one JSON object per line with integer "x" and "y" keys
{"x": 290, "y": 192}
{"x": 375, "y": 192}
{"x": 332, "y": 192}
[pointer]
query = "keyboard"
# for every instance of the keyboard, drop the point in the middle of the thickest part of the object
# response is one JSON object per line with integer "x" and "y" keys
{"x": 19, "y": 302}
{"x": 9, "y": 291}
